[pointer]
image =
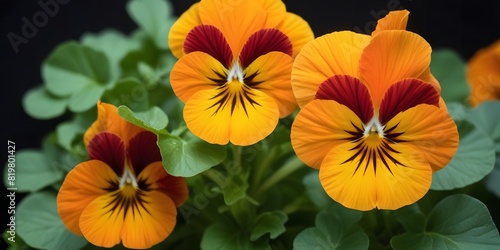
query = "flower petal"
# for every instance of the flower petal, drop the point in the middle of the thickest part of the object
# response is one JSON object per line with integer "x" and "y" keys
{"x": 108, "y": 148}
{"x": 101, "y": 225}
{"x": 391, "y": 185}
{"x": 337, "y": 53}
{"x": 348, "y": 91}
{"x": 195, "y": 72}
{"x": 404, "y": 95}
{"x": 430, "y": 79}
{"x": 395, "y": 20}
{"x": 108, "y": 120}
{"x": 139, "y": 220}
{"x": 236, "y": 19}
{"x": 209, "y": 39}
{"x": 263, "y": 42}
{"x": 393, "y": 55}
{"x": 483, "y": 74}
{"x": 428, "y": 129}
{"x": 143, "y": 151}
{"x": 297, "y": 30}
{"x": 270, "y": 74}
{"x": 87, "y": 181}
{"x": 179, "y": 30}
{"x": 158, "y": 179}
{"x": 233, "y": 112}
{"x": 275, "y": 9}
{"x": 320, "y": 126}
{"x": 152, "y": 224}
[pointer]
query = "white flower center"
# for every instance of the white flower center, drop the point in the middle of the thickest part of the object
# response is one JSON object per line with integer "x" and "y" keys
{"x": 374, "y": 126}
{"x": 235, "y": 73}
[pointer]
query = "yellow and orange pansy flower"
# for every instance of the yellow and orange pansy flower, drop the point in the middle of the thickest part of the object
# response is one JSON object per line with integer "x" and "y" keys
{"x": 234, "y": 67}
{"x": 483, "y": 74}
{"x": 371, "y": 120}
{"x": 122, "y": 193}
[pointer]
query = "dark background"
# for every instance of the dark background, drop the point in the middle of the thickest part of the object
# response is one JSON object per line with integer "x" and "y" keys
{"x": 462, "y": 25}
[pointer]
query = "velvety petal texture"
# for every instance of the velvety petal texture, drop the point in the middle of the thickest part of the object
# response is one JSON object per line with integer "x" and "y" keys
{"x": 122, "y": 194}
{"x": 234, "y": 71}
{"x": 371, "y": 120}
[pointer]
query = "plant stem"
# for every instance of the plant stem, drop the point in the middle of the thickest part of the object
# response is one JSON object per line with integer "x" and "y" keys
{"x": 291, "y": 166}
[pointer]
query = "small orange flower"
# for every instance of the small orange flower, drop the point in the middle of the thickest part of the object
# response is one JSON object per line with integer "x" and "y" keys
{"x": 372, "y": 120}
{"x": 122, "y": 193}
{"x": 484, "y": 74}
{"x": 234, "y": 68}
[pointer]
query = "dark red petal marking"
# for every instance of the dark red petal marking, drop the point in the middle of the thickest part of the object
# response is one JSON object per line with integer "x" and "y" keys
{"x": 263, "y": 42}
{"x": 406, "y": 94}
{"x": 143, "y": 150}
{"x": 348, "y": 91}
{"x": 209, "y": 39}
{"x": 108, "y": 148}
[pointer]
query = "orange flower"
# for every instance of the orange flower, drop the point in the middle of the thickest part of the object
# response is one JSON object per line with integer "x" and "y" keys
{"x": 122, "y": 193}
{"x": 372, "y": 120}
{"x": 484, "y": 74}
{"x": 234, "y": 68}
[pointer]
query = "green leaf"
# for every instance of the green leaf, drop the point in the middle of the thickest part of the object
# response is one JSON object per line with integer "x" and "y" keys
{"x": 152, "y": 16}
{"x": 153, "y": 119}
{"x": 148, "y": 53}
{"x": 40, "y": 226}
{"x": 40, "y": 104}
{"x": 72, "y": 66}
{"x": 315, "y": 191}
{"x": 128, "y": 92}
{"x": 486, "y": 117}
{"x": 412, "y": 219}
{"x": 269, "y": 222}
{"x": 456, "y": 222}
{"x": 336, "y": 228}
{"x": 449, "y": 69}
{"x": 228, "y": 237}
{"x": 474, "y": 159}
{"x": 67, "y": 132}
{"x": 188, "y": 156}
{"x": 33, "y": 171}
{"x": 112, "y": 43}
{"x": 86, "y": 98}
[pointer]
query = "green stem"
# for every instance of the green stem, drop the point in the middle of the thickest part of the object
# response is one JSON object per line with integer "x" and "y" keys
{"x": 291, "y": 166}
{"x": 261, "y": 168}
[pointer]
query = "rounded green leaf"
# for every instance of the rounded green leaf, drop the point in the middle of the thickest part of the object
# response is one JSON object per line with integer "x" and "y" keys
{"x": 40, "y": 104}
{"x": 456, "y": 222}
{"x": 493, "y": 180}
{"x": 66, "y": 133}
{"x": 188, "y": 157}
{"x": 40, "y": 226}
{"x": 336, "y": 228}
{"x": 33, "y": 171}
{"x": 112, "y": 43}
{"x": 449, "y": 69}
{"x": 72, "y": 66}
{"x": 152, "y": 16}
{"x": 86, "y": 98}
{"x": 474, "y": 159}
{"x": 153, "y": 119}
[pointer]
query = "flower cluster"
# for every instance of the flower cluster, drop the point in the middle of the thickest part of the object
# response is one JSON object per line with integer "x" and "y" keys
{"x": 371, "y": 118}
